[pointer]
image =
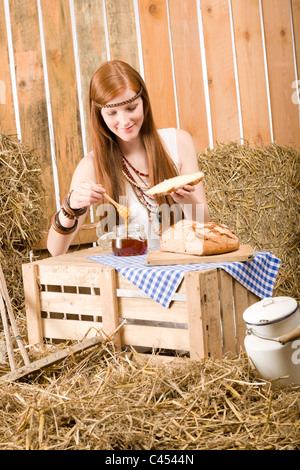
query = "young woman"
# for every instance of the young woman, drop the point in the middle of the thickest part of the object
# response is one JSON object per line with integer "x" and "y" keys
{"x": 129, "y": 155}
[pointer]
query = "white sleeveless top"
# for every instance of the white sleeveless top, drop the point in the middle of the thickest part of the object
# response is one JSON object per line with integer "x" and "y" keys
{"x": 139, "y": 213}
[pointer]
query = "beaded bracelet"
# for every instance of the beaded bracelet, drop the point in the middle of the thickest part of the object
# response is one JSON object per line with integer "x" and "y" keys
{"x": 67, "y": 209}
{"x": 56, "y": 225}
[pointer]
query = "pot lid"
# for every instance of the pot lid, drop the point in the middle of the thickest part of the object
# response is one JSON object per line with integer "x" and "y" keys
{"x": 270, "y": 310}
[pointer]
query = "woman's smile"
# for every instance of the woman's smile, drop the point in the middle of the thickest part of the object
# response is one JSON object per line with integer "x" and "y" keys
{"x": 127, "y": 129}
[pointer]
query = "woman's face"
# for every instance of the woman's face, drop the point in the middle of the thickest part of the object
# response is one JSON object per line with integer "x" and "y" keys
{"x": 125, "y": 121}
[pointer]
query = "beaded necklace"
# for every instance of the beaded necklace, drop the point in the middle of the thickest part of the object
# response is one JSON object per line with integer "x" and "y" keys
{"x": 146, "y": 175}
{"x": 138, "y": 189}
{"x": 130, "y": 178}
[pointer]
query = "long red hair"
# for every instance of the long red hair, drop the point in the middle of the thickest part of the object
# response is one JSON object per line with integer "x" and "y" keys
{"x": 108, "y": 80}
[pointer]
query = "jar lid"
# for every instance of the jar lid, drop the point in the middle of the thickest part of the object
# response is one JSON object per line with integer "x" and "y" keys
{"x": 270, "y": 310}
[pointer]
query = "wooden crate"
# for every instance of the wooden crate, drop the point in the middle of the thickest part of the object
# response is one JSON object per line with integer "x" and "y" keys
{"x": 71, "y": 297}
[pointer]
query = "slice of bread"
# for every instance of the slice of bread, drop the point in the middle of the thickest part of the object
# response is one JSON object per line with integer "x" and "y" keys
{"x": 173, "y": 184}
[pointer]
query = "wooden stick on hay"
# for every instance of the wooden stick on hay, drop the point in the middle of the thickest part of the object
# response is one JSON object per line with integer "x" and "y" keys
{"x": 50, "y": 360}
{"x": 9, "y": 345}
{"x": 6, "y": 300}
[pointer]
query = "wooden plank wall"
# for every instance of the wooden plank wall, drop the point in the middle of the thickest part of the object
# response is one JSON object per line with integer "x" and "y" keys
{"x": 221, "y": 69}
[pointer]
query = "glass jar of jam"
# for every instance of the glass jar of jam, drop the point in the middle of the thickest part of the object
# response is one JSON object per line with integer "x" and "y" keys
{"x": 129, "y": 240}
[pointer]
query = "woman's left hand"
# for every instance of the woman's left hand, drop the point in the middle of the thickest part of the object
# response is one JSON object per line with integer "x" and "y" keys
{"x": 185, "y": 192}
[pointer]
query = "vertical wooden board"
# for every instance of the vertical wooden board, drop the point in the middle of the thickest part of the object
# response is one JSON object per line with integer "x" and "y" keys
{"x": 32, "y": 303}
{"x": 220, "y": 70}
{"x": 109, "y": 303}
{"x": 210, "y": 305}
{"x": 241, "y": 302}
{"x": 251, "y": 71}
{"x": 122, "y": 31}
{"x": 279, "y": 50}
{"x": 252, "y": 298}
{"x": 7, "y": 112}
{"x": 296, "y": 27}
{"x": 157, "y": 61}
{"x": 31, "y": 91}
{"x": 196, "y": 321}
{"x": 91, "y": 48}
{"x": 227, "y": 313}
{"x": 63, "y": 89}
{"x": 188, "y": 71}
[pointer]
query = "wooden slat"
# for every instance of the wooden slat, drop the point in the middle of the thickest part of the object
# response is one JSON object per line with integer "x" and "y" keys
{"x": 188, "y": 71}
{"x": 240, "y": 294}
{"x": 296, "y": 25}
{"x": 31, "y": 91}
{"x": 63, "y": 89}
{"x": 252, "y": 298}
{"x": 70, "y": 329}
{"x": 32, "y": 303}
{"x": 196, "y": 317}
{"x": 251, "y": 71}
{"x": 148, "y": 309}
{"x": 91, "y": 47}
{"x": 69, "y": 275}
{"x": 157, "y": 61}
{"x": 154, "y": 337}
{"x": 211, "y": 311}
{"x": 220, "y": 70}
{"x": 109, "y": 303}
{"x": 7, "y": 112}
{"x": 227, "y": 314}
{"x": 71, "y": 303}
{"x": 279, "y": 49}
{"x": 122, "y": 31}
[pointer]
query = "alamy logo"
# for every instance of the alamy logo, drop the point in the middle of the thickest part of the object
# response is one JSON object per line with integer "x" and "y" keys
{"x": 296, "y": 94}
{"x": 296, "y": 354}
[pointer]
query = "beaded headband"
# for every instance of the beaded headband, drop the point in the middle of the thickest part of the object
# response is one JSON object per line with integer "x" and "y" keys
{"x": 119, "y": 104}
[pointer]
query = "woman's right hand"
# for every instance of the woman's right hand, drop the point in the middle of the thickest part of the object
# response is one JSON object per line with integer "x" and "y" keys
{"x": 86, "y": 194}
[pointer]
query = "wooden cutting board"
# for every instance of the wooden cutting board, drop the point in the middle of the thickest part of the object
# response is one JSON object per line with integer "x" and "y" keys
{"x": 164, "y": 258}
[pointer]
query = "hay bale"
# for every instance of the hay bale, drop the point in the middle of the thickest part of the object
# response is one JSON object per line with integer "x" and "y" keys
{"x": 21, "y": 210}
{"x": 255, "y": 191}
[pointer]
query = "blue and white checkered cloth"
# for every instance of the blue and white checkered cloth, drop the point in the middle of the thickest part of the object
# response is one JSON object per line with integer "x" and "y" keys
{"x": 161, "y": 282}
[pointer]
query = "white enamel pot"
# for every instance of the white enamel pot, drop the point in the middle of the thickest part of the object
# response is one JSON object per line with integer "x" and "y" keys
{"x": 273, "y": 339}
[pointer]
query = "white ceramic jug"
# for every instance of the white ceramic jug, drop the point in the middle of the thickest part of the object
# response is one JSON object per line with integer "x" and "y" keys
{"x": 273, "y": 339}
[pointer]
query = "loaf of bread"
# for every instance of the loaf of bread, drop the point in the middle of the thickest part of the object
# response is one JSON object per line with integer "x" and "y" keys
{"x": 173, "y": 184}
{"x": 195, "y": 238}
